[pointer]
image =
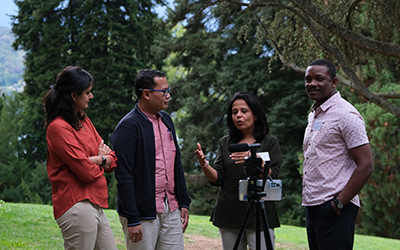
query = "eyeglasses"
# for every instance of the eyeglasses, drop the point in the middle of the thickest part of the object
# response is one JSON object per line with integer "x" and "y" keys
{"x": 165, "y": 91}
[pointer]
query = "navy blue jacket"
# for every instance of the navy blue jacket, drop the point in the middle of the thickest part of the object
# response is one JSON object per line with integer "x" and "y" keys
{"x": 133, "y": 143}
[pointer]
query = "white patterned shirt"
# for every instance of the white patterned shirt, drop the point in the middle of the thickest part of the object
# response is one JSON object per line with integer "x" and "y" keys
{"x": 333, "y": 128}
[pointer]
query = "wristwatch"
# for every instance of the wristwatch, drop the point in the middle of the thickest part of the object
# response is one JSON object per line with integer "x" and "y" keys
{"x": 338, "y": 203}
{"x": 103, "y": 161}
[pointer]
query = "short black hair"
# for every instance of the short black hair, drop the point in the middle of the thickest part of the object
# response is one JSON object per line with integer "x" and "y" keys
{"x": 145, "y": 80}
{"x": 261, "y": 127}
{"x": 322, "y": 62}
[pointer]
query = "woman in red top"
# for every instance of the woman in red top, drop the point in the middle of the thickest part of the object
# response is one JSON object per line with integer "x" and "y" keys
{"x": 76, "y": 161}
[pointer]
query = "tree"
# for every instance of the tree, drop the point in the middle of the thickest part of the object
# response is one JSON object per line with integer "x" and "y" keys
{"x": 213, "y": 64}
{"x": 19, "y": 181}
{"x": 360, "y": 37}
{"x": 382, "y": 187}
{"x": 349, "y": 33}
{"x": 109, "y": 39}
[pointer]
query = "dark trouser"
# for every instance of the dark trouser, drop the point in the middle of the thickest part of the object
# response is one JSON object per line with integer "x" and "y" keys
{"x": 327, "y": 230}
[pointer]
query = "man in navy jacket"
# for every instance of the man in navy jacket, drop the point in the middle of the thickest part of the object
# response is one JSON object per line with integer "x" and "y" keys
{"x": 152, "y": 198}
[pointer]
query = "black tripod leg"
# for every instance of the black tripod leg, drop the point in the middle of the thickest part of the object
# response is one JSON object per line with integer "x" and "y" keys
{"x": 243, "y": 227}
{"x": 267, "y": 235}
{"x": 258, "y": 226}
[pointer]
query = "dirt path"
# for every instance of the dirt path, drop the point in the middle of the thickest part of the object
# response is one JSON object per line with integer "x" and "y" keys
{"x": 194, "y": 242}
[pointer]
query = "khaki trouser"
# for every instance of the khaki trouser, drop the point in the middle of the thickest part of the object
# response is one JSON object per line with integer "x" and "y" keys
{"x": 229, "y": 236}
{"x": 163, "y": 233}
{"x": 85, "y": 226}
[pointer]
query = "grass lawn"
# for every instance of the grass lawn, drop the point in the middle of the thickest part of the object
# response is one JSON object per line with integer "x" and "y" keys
{"x": 31, "y": 226}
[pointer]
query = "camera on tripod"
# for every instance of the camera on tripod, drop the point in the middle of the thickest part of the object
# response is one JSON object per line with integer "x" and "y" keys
{"x": 272, "y": 189}
{"x": 255, "y": 188}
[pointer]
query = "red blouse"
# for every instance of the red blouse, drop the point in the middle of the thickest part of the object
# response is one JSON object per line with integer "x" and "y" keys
{"x": 73, "y": 177}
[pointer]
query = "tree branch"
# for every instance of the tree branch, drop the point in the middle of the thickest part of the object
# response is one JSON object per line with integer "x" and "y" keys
{"x": 346, "y": 34}
{"x": 350, "y": 10}
{"x": 354, "y": 80}
{"x": 361, "y": 42}
{"x": 205, "y": 7}
{"x": 389, "y": 95}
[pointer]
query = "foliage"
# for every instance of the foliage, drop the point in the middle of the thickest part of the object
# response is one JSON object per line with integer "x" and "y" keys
{"x": 359, "y": 38}
{"x": 20, "y": 181}
{"x": 215, "y": 60}
{"x": 289, "y": 119}
{"x": 30, "y": 226}
{"x": 210, "y": 55}
{"x": 382, "y": 187}
{"x": 109, "y": 39}
{"x": 352, "y": 34}
{"x": 202, "y": 194}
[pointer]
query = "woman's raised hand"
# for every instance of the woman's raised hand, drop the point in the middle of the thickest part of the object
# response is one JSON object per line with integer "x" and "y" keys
{"x": 201, "y": 156}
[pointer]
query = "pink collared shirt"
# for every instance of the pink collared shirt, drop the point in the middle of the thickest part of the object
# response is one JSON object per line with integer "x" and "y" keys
{"x": 165, "y": 161}
{"x": 333, "y": 128}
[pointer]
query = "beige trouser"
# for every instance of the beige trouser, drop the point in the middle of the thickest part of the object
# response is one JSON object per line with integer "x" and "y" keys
{"x": 229, "y": 236}
{"x": 85, "y": 226}
{"x": 163, "y": 233}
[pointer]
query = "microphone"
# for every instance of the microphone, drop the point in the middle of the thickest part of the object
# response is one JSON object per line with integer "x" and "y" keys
{"x": 240, "y": 147}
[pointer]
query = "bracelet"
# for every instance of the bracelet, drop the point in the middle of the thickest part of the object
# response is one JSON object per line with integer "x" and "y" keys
{"x": 205, "y": 166}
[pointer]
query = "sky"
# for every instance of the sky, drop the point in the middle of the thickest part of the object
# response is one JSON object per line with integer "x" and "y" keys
{"x": 8, "y": 7}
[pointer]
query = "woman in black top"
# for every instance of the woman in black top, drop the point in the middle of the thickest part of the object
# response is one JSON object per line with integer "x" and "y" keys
{"x": 247, "y": 123}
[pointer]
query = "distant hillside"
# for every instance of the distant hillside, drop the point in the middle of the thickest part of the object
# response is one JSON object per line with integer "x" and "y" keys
{"x": 11, "y": 63}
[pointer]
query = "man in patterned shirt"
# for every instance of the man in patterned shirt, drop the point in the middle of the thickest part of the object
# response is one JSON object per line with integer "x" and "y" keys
{"x": 337, "y": 161}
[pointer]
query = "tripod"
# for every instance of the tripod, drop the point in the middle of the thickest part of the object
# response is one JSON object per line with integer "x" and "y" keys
{"x": 255, "y": 199}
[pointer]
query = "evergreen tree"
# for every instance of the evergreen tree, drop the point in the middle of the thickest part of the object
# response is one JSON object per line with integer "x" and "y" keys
{"x": 380, "y": 198}
{"x": 351, "y": 34}
{"x": 109, "y": 39}
{"x": 20, "y": 181}
{"x": 358, "y": 36}
{"x": 213, "y": 64}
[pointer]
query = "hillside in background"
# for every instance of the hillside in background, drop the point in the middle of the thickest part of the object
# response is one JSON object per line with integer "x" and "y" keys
{"x": 11, "y": 64}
